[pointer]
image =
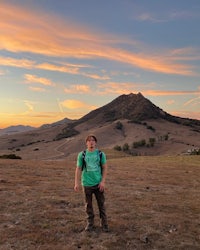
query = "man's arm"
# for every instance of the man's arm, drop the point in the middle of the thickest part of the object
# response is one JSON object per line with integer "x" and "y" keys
{"x": 103, "y": 180}
{"x": 77, "y": 178}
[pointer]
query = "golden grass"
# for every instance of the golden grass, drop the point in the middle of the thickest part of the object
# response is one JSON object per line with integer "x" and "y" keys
{"x": 152, "y": 203}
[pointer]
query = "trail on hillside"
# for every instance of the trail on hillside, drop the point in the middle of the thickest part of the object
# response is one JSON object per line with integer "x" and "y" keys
{"x": 60, "y": 151}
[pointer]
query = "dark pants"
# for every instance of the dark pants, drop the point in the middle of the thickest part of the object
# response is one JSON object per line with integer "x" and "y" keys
{"x": 89, "y": 191}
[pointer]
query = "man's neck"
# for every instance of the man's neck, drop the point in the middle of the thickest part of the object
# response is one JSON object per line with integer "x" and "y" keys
{"x": 91, "y": 149}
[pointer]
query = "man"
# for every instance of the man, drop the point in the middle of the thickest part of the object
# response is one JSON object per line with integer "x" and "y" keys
{"x": 92, "y": 168}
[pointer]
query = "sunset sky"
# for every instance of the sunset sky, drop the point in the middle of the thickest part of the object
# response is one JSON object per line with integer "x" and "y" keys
{"x": 65, "y": 58}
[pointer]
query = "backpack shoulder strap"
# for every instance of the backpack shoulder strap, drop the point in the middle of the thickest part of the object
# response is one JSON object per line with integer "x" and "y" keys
{"x": 83, "y": 160}
{"x": 83, "y": 153}
{"x": 100, "y": 156}
{"x": 100, "y": 160}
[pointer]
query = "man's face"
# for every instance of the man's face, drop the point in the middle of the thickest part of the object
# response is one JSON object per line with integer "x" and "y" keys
{"x": 91, "y": 143}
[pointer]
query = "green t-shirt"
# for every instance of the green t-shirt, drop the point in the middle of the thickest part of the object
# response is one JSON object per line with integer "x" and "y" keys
{"x": 91, "y": 174}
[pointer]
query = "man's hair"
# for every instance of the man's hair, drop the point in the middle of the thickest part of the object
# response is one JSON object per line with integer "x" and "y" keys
{"x": 89, "y": 137}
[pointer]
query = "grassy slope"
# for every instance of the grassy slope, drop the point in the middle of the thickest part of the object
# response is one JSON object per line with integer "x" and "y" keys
{"x": 152, "y": 203}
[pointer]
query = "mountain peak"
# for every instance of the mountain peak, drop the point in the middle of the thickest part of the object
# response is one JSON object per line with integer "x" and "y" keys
{"x": 131, "y": 106}
{"x": 134, "y": 107}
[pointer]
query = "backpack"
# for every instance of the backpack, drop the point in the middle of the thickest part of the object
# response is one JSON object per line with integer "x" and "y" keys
{"x": 84, "y": 162}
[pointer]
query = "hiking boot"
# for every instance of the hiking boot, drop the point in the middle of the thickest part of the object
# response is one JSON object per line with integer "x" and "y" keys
{"x": 89, "y": 227}
{"x": 105, "y": 228}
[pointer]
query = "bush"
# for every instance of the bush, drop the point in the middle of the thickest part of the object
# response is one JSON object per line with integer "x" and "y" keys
{"x": 135, "y": 121}
{"x": 117, "y": 147}
{"x": 125, "y": 147}
{"x": 166, "y": 137}
{"x": 66, "y": 133}
{"x": 151, "y": 128}
{"x": 152, "y": 141}
{"x": 10, "y": 156}
{"x": 138, "y": 144}
{"x": 195, "y": 152}
{"x": 119, "y": 125}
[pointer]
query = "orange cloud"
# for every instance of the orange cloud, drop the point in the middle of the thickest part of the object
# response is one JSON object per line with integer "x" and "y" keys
{"x": 24, "y": 30}
{"x": 19, "y": 63}
{"x": 35, "y": 79}
{"x": 117, "y": 88}
{"x": 95, "y": 76}
{"x": 73, "y": 104}
{"x": 76, "y": 104}
{"x": 35, "y": 89}
{"x": 71, "y": 69}
{"x": 78, "y": 89}
{"x": 67, "y": 69}
{"x": 129, "y": 87}
{"x": 35, "y": 118}
{"x": 169, "y": 93}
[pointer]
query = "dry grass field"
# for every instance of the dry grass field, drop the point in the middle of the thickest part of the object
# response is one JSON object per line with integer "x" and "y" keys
{"x": 152, "y": 202}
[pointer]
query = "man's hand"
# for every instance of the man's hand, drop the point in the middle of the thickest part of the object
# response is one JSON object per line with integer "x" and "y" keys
{"x": 102, "y": 186}
{"x": 76, "y": 188}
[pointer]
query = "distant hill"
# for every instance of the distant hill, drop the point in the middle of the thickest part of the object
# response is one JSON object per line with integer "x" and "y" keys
{"x": 63, "y": 121}
{"x": 127, "y": 120}
{"x": 134, "y": 107}
{"x": 15, "y": 129}
{"x": 138, "y": 118}
{"x": 21, "y": 128}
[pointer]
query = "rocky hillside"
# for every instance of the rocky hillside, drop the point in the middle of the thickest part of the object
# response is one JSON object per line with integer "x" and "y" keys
{"x": 128, "y": 119}
{"x": 134, "y": 107}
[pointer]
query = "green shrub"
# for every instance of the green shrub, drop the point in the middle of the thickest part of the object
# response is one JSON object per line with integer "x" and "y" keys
{"x": 119, "y": 125}
{"x": 10, "y": 156}
{"x": 136, "y": 121}
{"x": 118, "y": 148}
{"x": 166, "y": 137}
{"x": 125, "y": 147}
{"x": 66, "y": 132}
{"x": 138, "y": 144}
{"x": 152, "y": 141}
{"x": 195, "y": 152}
{"x": 151, "y": 128}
